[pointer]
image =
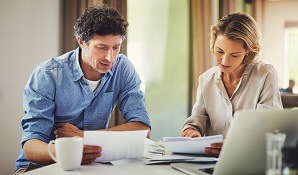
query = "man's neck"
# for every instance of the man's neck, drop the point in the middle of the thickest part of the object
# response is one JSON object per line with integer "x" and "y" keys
{"x": 89, "y": 72}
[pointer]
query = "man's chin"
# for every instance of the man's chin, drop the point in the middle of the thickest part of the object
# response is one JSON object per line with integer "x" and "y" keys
{"x": 103, "y": 71}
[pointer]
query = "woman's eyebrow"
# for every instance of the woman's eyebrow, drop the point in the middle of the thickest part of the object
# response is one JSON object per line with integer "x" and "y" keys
{"x": 239, "y": 52}
{"x": 236, "y": 52}
{"x": 218, "y": 47}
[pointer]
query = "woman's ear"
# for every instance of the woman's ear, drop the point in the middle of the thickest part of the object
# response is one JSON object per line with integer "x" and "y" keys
{"x": 246, "y": 53}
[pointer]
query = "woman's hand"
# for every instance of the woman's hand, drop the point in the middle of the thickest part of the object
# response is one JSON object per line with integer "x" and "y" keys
{"x": 190, "y": 132}
{"x": 214, "y": 149}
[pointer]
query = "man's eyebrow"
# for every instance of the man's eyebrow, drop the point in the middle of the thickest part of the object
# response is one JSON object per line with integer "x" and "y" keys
{"x": 100, "y": 44}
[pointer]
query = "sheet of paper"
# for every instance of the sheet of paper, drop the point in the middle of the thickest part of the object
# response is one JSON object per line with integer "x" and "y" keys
{"x": 126, "y": 161}
{"x": 117, "y": 145}
{"x": 190, "y": 145}
{"x": 170, "y": 158}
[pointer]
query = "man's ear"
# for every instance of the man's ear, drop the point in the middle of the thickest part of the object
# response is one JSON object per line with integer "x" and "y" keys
{"x": 80, "y": 42}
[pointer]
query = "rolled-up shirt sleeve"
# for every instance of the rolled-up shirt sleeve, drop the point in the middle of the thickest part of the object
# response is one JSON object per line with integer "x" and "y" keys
{"x": 131, "y": 98}
{"x": 38, "y": 107}
{"x": 199, "y": 117}
{"x": 270, "y": 95}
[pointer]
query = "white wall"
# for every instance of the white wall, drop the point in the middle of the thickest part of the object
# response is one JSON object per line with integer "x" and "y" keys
{"x": 275, "y": 15}
{"x": 29, "y": 34}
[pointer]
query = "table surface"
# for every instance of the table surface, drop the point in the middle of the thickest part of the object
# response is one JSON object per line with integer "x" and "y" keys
{"x": 135, "y": 167}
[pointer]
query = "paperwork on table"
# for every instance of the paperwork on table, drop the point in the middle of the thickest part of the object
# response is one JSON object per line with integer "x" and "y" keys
{"x": 190, "y": 145}
{"x": 117, "y": 145}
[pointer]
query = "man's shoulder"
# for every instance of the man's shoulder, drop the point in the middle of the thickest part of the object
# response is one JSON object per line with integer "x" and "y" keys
{"x": 56, "y": 66}
{"x": 122, "y": 59}
{"x": 59, "y": 61}
{"x": 122, "y": 63}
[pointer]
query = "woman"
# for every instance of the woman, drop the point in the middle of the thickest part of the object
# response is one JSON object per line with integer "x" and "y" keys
{"x": 237, "y": 82}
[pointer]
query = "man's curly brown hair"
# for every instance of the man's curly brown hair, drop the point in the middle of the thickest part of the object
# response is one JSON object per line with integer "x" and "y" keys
{"x": 100, "y": 20}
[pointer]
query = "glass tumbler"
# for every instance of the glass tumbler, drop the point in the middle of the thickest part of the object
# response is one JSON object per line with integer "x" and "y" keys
{"x": 274, "y": 145}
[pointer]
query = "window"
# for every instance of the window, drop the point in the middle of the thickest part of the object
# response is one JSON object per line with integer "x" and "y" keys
{"x": 158, "y": 46}
{"x": 291, "y": 46}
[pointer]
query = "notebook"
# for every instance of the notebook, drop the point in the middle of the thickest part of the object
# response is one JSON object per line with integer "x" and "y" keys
{"x": 244, "y": 149}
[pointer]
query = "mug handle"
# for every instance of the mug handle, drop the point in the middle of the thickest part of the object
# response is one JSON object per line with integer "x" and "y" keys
{"x": 50, "y": 150}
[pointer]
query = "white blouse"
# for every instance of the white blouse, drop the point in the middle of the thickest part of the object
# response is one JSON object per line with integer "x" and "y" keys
{"x": 213, "y": 110}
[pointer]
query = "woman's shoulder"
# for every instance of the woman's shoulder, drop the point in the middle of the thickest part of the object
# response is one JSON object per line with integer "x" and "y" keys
{"x": 262, "y": 67}
{"x": 210, "y": 74}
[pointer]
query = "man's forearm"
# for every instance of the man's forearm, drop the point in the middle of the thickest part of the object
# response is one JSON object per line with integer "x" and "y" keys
{"x": 130, "y": 127}
{"x": 37, "y": 151}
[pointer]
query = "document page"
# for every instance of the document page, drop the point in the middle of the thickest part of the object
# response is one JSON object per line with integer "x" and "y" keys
{"x": 117, "y": 145}
{"x": 190, "y": 145}
{"x": 171, "y": 158}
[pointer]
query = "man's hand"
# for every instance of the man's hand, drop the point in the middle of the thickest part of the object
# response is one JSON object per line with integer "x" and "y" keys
{"x": 214, "y": 149}
{"x": 90, "y": 153}
{"x": 67, "y": 130}
{"x": 190, "y": 132}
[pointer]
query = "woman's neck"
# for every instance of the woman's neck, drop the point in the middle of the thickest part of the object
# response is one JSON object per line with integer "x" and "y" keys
{"x": 231, "y": 77}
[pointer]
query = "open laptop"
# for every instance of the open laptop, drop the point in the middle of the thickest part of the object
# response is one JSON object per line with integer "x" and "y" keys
{"x": 244, "y": 149}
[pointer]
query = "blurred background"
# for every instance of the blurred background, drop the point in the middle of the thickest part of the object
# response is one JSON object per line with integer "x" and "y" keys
{"x": 167, "y": 40}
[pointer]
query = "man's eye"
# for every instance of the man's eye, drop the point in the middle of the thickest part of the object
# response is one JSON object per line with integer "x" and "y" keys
{"x": 101, "y": 48}
{"x": 221, "y": 52}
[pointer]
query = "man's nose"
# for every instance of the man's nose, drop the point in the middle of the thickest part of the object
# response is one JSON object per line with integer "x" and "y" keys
{"x": 110, "y": 55}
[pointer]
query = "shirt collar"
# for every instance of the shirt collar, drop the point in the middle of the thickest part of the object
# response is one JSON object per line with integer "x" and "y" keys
{"x": 77, "y": 71}
{"x": 218, "y": 74}
{"x": 248, "y": 68}
{"x": 246, "y": 71}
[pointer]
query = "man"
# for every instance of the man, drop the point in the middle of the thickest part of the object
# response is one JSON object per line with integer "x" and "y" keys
{"x": 78, "y": 91}
{"x": 291, "y": 86}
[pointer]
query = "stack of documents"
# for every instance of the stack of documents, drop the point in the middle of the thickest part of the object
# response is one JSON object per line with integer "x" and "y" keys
{"x": 190, "y": 145}
{"x": 125, "y": 145}
{"x": 152, "y": 149}
{"x": 171, "y": 158}
{"x": 186, "y": 149}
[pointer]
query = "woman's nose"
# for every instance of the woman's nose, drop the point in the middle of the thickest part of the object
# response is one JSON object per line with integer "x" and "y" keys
{"x": 225, "y": 59}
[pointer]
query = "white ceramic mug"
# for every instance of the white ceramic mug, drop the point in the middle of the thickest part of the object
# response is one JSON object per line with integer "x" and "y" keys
{"x": 69, "y": 152}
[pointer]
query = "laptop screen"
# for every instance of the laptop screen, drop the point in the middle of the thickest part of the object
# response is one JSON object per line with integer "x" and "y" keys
{"x": 244, "y": 149}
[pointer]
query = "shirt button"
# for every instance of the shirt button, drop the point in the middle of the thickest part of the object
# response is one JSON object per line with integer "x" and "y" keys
{"x": 88, "y": 89}
{"x": 87, "y": 126}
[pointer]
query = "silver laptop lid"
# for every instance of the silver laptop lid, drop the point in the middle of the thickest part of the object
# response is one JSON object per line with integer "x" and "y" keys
{"x": 244, "y": 150}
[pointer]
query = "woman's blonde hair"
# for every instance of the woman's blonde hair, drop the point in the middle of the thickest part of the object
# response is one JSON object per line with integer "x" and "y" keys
{"x": 238, "y": 26}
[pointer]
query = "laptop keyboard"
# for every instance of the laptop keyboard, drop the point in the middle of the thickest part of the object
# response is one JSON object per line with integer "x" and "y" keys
{"x": 207, "y": 170}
